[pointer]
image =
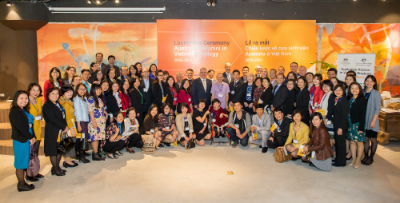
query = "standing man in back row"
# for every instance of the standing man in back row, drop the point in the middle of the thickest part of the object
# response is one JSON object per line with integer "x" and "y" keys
{"x": 227, "y": 74}
{"x": 201, "y": 89}
{"x": 99, "y": 61}
{"x": 280, "y": 92}
{"x": 111, "y": 61}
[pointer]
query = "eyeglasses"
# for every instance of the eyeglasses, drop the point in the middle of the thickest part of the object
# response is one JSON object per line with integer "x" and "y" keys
{"x": 160, "y": 75}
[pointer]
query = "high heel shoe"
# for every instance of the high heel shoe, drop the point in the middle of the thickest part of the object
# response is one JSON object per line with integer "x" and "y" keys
{"x": 32, "y": 179}
{"x": 25, "y": 187}
{"x": 57, "y": 173}
{"x": 66, "y": 165}
{"x": 351, "y": 164}
{"x": 39, "y": 175}
{"x": 112, "y": 156}
{"x": 356, "y": 165}
{"x": 96, "y": 157}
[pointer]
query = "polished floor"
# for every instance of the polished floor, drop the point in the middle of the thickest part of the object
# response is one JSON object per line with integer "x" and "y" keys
{"x": 200, "y": 175}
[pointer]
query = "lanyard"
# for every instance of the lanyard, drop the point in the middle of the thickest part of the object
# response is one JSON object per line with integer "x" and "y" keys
{"x": 312, "y": 94}
{"x": 259, "y": 122}
{"x": 234, "y": 85}
{"x": 222, "y": 87}
{"x": 338, "y": 100}
{"x": 34, "y": 106}
{"x": 120, "y": 128}
{"x": 294, "y": 129}
{"x": 367, "y": 95}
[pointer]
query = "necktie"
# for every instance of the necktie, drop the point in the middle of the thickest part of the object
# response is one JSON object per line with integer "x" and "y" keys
{"x": 279, "y": 123}
{"x": 204, "y": 85}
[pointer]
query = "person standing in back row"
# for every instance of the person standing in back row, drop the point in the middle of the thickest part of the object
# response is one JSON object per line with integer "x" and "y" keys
{"x": 201, "y": 88}
{"x": 111, "y": 61}
{"x": 227, "y": 74}
{"x": 280, "y": 92}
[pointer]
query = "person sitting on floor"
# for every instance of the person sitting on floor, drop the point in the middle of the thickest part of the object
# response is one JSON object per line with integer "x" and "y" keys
{"x": 200, "y": 123}
{"x": 298, "y": 134}
{"x": 219, "y": 117}
{"x": 281, "y": 132}
{"x": 131, "y": 131}
{"x": 114, "y": 140}
{"x": 239, "y": 125}
{"x": 260, "y": 128}
{"x": 184, "y": 124}
{"x": 150, "y": 125}
{"x": 166, "y": 124}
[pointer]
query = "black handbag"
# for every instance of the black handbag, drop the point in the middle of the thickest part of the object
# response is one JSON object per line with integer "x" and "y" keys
{"x": 66, "y": 143}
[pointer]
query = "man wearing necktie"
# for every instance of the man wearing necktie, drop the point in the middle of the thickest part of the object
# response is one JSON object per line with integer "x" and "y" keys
{"x": 280, "y": 93}
{"x": 201, "y": 88}
{"x": 227, "y": 74}
{"x": 280, "y": 134}
{"x": 258, "y": 71}
{"x": 237, "y": 88}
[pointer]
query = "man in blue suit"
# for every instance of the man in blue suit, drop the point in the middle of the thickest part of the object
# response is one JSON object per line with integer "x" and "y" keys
{"x": 201, "y": 89}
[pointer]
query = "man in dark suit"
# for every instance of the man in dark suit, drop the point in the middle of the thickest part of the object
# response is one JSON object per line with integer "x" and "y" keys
{"x": 99, "y": 62}
{"x": 201, "y": 88}
{"x": 189, "y": 75}
{"x": 146, "y": 89}
{"x": 227, "y": 74}
{"x": 332, "y": 73}
{"x": 237, "y": 88}
{"x": 178, "y": 83}
{"x": 245, "y": 70}
{"x": 280, "y": 134}
{"x": 280, "y": 92}
{"x": 111, "y": 61}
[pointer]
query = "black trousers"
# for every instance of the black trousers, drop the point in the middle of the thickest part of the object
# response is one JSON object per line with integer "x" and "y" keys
{"x": 112, "y": 147}
{"x": 274, "y": 144}
{"x": 135, "y": 140}
{"x": 340, "y": 146}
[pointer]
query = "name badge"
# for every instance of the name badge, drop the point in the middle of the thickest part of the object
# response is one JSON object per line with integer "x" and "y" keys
{"x": 220, "y": 95}
{"x": 295, "y": 141}
{"x": 190, "y": 99}
{"x": 145, "y": 90}
{"x": 38, "y": 118}
{"x": 213, "y": 120}
{"x": 204, "y": 124}
{"x": 233, "y": 92}
{"x": 248, "y": 94}
{"x": 237, "y": 125}
{"x": 175, "y": 99}
{"x": 164, "y": 99}
{"x": 30, "y": 125}
{"x": 260, "y": 101}
{"x": 152, "y": 130}
{"x": 329, "y": 122}
{"x": 186, "y": 128}
{"x": 185, "y": 119}
{"x": 167, "y": 128}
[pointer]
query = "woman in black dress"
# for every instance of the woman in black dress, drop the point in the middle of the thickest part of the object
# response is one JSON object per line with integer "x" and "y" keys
{"x": 288, "y": 105}
{"x": 172, "y": 97}
{"x": 137, "y": 99}
{"x": 340, "y": 124}
{"x": 200, "y": 123}
{"x": 54, "y": 115}
{"x": 266, "y": 96}
{"x": 113, "y": 104}
{"x": 303, "y": 98}
{"x": 159, "y": 91}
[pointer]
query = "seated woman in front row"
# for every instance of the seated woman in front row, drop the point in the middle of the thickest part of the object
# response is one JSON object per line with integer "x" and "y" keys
{"x": 114, "y": 140}
{"x": 150, "y": 124}
{"x": 200, "y": 123}
{"x": 184, "y": 124}
{"x": 166, "y": 124}
{"x": 261, "y": 125}
{"x": 130, "y": 130}
{"x": 218, "y": 116}
{"x": 298, "y": 134}
{"x": 319, "y": 145}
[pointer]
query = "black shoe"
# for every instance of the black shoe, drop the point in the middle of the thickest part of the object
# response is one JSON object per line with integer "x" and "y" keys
{"x": 39, "y": 175}
{"x": 25, "y": 187}
{"x": 96, "y": 157}
{"x": 369, "y": 162}
{"x": 87, "y": 154}
{"x": 62, "y": 170}
{"x": 311, "y": 164}
{"x": 335, "y": 165}
{"x": 235, "y": 144}
{"x": 364, "y": 159}
{"x": 264, "y": 149}
{"x": 32, "y": 179}
{"x": 294, "y": 159}
{"x": 66, "y": 165}
{"x": 57, "y": 173}
{"x": 160, "y": 145}
{"x": 167, "y": 144}
{"x": 192, "y": 144}
{"x": 260, "y": 146}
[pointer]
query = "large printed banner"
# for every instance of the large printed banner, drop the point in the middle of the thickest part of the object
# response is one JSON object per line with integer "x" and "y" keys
{"x": 184, "y": 44}
{"x": 362, "y": 64}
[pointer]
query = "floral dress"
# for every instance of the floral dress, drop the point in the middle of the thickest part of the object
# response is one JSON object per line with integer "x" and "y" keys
{"x": 100, "y": 132}
{"x": 352, "y": 133}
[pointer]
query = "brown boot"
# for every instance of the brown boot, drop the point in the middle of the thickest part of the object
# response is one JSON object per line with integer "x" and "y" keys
{"x": 130, "y": 150}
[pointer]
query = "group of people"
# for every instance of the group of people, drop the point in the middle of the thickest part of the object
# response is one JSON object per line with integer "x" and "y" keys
{"x": 111, "y": 108}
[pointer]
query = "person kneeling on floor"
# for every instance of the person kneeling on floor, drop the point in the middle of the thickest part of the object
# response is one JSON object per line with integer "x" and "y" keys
{"x": 114, "y": 139}
{"x": 130, "y": 129}
{"x": 239, "y": 125}
{"x": 200, "y": 122}
{"x": 260, "y": 128}
{"x": 184, "y": 124}
{"x": 281, "y": 131}
{"x": 166, "y": 124}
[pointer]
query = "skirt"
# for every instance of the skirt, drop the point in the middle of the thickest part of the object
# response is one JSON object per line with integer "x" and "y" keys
{"x": 202, "y": 135}
{"x": 22, "y": 152}
{"x": 325, "y": 165}
{"x": 353, "y": 135}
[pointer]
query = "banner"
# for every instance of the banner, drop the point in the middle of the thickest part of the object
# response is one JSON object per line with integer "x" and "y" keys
{"x": 184, "y": 44}
{"x": 362, "y": 64}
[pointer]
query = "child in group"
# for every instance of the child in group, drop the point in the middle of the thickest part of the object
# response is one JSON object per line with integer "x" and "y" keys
{"x": 218, "y": 116}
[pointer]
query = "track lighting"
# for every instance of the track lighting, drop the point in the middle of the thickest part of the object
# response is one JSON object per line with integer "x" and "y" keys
{"x": 211, "y": 2}
{"x": 89, "y": 2}
{"x": 116, "y": 1}
{"x": 9, "y": 3}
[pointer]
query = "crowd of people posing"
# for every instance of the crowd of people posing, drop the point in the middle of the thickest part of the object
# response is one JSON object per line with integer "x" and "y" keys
{"x": 321, "y": 122}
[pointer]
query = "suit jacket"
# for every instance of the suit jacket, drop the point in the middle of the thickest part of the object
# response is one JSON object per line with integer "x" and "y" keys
{"x": 341, "y": 114}
{"x": 266, "y": 122}
{"x": 302, "y": 100}
{"x": 357, "y": 112}
{"x": 136, "y": 100}
{"x": 102, "y": 67}
{"x": 112, "y": 104}
{"x": 20, "y": 126}
{"x": 198, "y": 91}
{"x": 284, "y": 133}
{"x": 157, "y": 94}
{"x": 54, "y": 123}
{"x": 107, "y": 67}
{"x": 288, "y": 105}
{"x": 178, "y": 86}
{"x": 280, "y": 96}
{"x": 267, "y": 96}
{"x": 147, "y": 96}
{"x": 240, "y": 91}
{"x": 226, "y": 78}
{"x": 242, "y": 79}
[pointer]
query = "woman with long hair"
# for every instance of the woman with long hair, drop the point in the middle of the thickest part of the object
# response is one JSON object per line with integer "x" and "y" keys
{"x": 348, "y": 80}
{"x": 137, "y": 99}
{"x": 150, "y": 125}
{"x": 267, "y": 94}
{"x": 371, "y": 118}
{"x": 316, "y": 93}
{"x": 70, "y": 72}
{"x": 172, "y": 97}
{"x": 159, "y": 91}
{"x": 303, "y": 98}
{"x": 138, "y": 67}
{"x": 258, "y": 90}
{"x": 54, "y": 115}
{"x": 132, "y": 72}
{"x": 356, "y": 131}
{"x": 97, "y": 124}
{"x": 114, "y": 141}
{"x": 167, "y": 125}
{"x": 114, "y": 104}
{"x": 153, "y": 71}
{"x": 319, "y": 146}
{"x": 185, "y": 95}
{"x": 112, "y": 76}
{"x": 124, "y": 95}
{"x": 53, "y": 81}
{"x": 35, "y": 109}
{"x": 23, "y": 135}
{"x": 82, "y": 120}
{"x": 98, "y": 77}
{"x": 298, "y": 134}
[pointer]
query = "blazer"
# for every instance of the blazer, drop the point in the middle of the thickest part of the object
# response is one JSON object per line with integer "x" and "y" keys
{"x": 198, "y": 91}
{"x": 266, "y": 122}
{"x": 373, "y": 108}
{"x": 127, "y": 125}
{"x": 225, "y": 75}
{"x": 178, "y": 86}
{"x": 20, "y": 126}
{"x": 266, "y": 97}
{"x": 320, "y": 143}
{"x": 54, "y": 123}
{"x": 302, "y": 135}
{"x": 81, "y": 109}
{"x": 108, "y": 67}
{"x": 279, "y": 96}
{"x": 245, "y": 84}
{"x": 281, "y": 136}
{"x": 157, "y": 94}
{"x": 340, "y": 117}
{"x": 69, "y": 114}
{"x": 239, "y": 89}
{"x": 357, "y": 112}
{"x": 147, "y": 95}
{"x": 170, "y": 95}
{"x": 180, "y": 124}
{"x": 112, "y": 104}
{"x": 331, "y": 106}
{"x": 288, "y": 105}
{"x": 136, "y": 100}
{"x": 302, "y": 100}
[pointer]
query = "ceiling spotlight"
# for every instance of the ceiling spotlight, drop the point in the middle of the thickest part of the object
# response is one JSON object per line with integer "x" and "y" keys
{"x": 116, "y": 1}
{"x": 89, "y": 2}
{"x": 208, "y": 2}
{"x": 213, "y": 4}
{"x": 98, "y": 1}
{"x": 9, "y": 3}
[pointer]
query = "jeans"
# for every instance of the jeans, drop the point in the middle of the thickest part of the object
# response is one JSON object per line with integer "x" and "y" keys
{"x": 232, "y": 134}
